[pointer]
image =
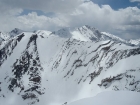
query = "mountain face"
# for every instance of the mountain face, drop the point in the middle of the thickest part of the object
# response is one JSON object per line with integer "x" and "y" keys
{"x": 59, "y": 67}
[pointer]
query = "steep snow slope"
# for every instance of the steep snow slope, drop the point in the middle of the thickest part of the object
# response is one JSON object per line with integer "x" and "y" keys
{"x": 48, "y": 67}
{"x": 118, "y": 39}
{"x": 111, "y": 98}
{"x": 113, "y": 37}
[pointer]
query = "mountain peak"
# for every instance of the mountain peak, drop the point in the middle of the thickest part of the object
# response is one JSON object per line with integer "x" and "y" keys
{"x": 15, "y": 32}
{"x": 87, "y": 33}
{"x": 90, "y": 27}
{"x": 64, "y": 32}
{"x": 84, "y": 33}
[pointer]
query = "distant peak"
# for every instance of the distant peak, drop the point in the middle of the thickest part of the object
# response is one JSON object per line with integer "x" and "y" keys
{"x": 15, "y": 31}
{"x": 93, "y": 29}
{"x": 89, "y": 27}
{"x": 64, "y": 32}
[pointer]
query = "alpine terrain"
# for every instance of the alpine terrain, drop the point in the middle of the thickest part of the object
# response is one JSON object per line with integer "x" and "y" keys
{"x": 60, "y": 67}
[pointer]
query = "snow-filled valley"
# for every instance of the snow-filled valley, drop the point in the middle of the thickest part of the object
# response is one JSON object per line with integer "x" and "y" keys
{"x": 60, "y": 67}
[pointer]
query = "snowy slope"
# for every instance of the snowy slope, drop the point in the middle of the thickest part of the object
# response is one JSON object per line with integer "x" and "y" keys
{"x": 111, "y": 98}
{"x": 113, "y": 37}
{"x": 130, "y": 42}
{"x": 58, "y": 67}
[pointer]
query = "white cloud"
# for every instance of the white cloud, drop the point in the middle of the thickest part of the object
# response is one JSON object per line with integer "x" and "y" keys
{"x": 33, "y": 21}
{"x": 134, "y": 0}
{"x": 123, "y": 21}
{"x": 44, "y": 5}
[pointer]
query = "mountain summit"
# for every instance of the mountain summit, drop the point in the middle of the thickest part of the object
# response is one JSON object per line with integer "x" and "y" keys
{"x": 15, "y": 32}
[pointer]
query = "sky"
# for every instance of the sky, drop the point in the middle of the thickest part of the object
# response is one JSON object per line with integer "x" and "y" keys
{"x": 118, "y": 17}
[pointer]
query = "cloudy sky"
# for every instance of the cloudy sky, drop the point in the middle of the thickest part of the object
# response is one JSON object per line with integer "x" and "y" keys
{"x": 119, "y": 17}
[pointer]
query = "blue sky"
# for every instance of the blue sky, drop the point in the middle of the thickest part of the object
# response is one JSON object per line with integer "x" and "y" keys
{"x": 119, "y": 17}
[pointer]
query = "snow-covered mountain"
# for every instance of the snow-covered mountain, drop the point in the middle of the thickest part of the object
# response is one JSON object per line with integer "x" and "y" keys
{"x": 15, "y": 32}
{"x": 55, "y": 68}
{"x": 113, "y": 37}
{"x": 130, "y": 42}
{"x": 87, "y": 33}
{"x": 135, "y": 42}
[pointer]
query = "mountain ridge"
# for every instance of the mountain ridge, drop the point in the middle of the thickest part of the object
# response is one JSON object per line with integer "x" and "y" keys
{"x": 84, "y": 33}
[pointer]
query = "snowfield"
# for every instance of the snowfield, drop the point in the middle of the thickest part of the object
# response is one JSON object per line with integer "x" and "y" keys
{"x": 111, "y": 98}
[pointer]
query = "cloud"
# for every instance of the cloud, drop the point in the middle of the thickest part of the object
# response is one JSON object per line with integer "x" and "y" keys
{"x": 44, "y": 5}
{"x": 134, "y": 0}
{"x": 33, "y": 21}
{"x": 11, "y": 10}
{"x": 123, "y": 22}
{"x": 10, "y": 18}
{"x": 30, "y": 22}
